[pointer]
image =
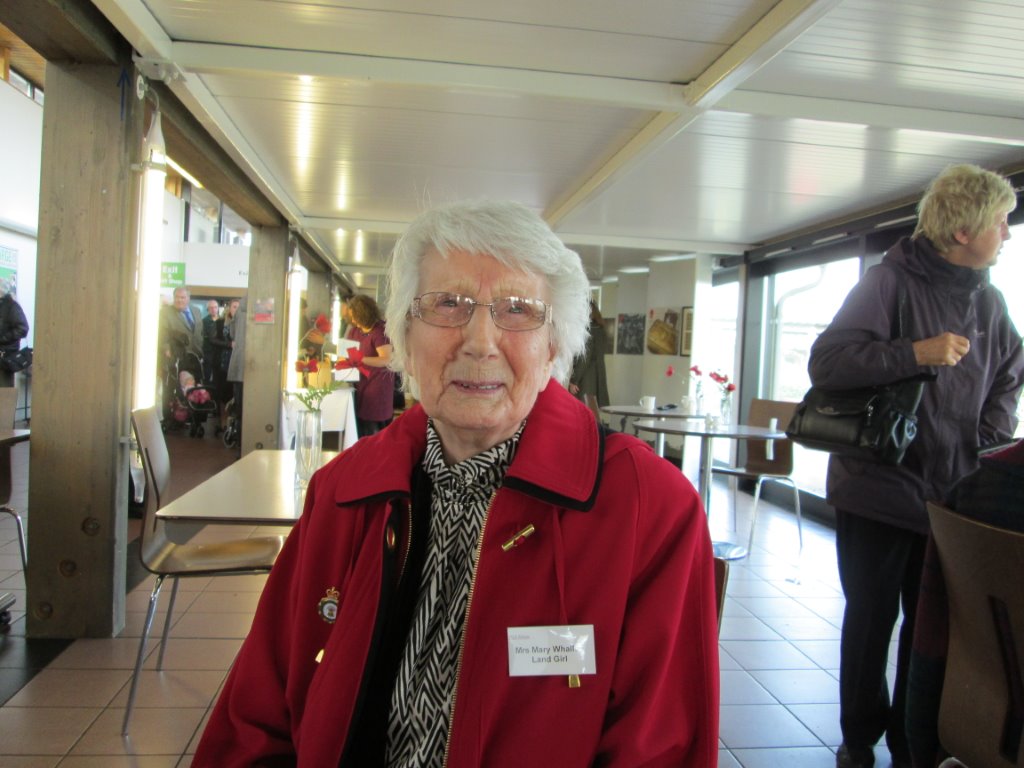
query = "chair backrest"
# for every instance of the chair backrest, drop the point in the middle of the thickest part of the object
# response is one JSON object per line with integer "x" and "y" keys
{"x": 981, "y": 717}
{"x": 156, "y": 463}
{"x": 8, "y": 405}
{"x": 761, "y": 414}
{"x": 592, "y": 404}
{"x": 721, "y": 582}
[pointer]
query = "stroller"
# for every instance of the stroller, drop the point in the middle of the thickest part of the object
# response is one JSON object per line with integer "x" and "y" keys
{"x": 191, "y": 404}
{"x": 232, "y": 431}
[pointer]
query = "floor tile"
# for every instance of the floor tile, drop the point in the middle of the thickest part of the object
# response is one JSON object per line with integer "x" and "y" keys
{"x": 787, "y": 757}
{"x": 799, "y": 686}
{"x": 766, "y": 654}
{"x": 751, "y": 628}
{"x": 71, "y": 688}
{"x": 44, "y": 730}
{"x": 152, "y": 732}
{"x": 821, "y": 719}
{"x": 802, "y": 628}
{"x": 763, "y": 725}
{"x": 739, "y": 687}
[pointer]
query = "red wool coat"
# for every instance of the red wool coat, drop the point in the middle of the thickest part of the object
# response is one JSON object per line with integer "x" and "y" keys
{"x": 620, "y": 542}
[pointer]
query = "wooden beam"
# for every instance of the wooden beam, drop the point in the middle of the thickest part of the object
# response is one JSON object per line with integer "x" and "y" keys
{"x": 67, "y": 31}
{"x": 195, "y": 150}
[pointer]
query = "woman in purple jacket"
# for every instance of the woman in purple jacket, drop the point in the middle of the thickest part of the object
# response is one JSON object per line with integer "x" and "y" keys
{"x": 959, "y": 330}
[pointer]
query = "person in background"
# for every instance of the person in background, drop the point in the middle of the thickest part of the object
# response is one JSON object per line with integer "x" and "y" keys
{"x": 962, "y": 333}
{"x": 375, "y": 390}
{"x": 13, "y": 327}
{"x": 588, "y": 373}
{"x": 222, "y": 357}
{"x": 994, "y": 495}
{"x": 181, "y": 335}
{"x": 399, "y": 624}
{"x": 235, "y": 330}
{"x": 209, "y": 331}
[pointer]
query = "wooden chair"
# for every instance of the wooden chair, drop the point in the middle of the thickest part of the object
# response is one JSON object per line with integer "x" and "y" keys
{"x": 981, "y": 715}
{"x": 768, "y": 459}
{"x": 163, "y": 557}
{"x": 721, "y": 582}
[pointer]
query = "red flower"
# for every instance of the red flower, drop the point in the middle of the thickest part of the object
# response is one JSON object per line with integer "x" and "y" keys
{"x": 695, "y": 370}
{"x": 670, "y": 371}
{"x": 322, "y": 323}
{"x": 307, "y": 366}
{"x": 730, "y": 388}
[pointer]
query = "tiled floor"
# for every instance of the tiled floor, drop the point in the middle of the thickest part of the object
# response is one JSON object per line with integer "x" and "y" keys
{"x": 779, "y": 660}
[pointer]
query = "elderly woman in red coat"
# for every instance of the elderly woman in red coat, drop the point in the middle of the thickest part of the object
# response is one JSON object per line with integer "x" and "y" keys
{"x": 493, "y": 579}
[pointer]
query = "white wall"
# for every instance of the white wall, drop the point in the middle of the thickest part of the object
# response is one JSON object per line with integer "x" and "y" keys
{"x": 21, "y": 149}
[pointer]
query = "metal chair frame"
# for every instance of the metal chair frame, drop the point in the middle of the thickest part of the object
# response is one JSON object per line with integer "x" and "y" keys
{"x": 166, "y": 558}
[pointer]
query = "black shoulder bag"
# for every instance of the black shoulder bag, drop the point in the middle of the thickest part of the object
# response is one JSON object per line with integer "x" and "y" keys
{"x": 15, "y": 360}
{"x": 870, "y": 423}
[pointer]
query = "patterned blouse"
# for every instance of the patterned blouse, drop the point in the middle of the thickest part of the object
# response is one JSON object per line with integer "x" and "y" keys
{"x": 422, "y": 698}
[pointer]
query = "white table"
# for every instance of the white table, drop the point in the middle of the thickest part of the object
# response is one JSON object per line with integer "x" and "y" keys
{"x": 337, "y": 414}
{"x": 258, "y": 489}
{"x": 638, "y": 412}
{"x": 707, "y": 433}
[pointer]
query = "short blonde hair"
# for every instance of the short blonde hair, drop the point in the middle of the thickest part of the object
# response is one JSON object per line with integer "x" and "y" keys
{"x": 963, "y": 198}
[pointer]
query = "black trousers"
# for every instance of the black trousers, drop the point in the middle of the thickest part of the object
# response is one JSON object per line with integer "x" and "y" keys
{"x": 880, "y": 569}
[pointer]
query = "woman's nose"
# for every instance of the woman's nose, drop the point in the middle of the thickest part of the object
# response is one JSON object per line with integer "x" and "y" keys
{"x": 480, "y": 334}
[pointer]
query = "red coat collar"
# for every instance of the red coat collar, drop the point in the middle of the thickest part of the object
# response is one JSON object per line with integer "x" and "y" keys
{"x": 558, "y": 459}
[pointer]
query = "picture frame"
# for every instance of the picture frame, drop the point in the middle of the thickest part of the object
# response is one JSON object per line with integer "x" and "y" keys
{"x": 686, "y": 335}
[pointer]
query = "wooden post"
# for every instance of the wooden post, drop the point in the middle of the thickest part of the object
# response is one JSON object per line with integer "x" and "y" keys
{"x": 78, "y": 486}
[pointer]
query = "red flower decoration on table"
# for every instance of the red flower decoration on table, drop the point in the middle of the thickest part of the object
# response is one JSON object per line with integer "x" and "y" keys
{"x": 670, "y": 371}
{"x": 695, "y": 371}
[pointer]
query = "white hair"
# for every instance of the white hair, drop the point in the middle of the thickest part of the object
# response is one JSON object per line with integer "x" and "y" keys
{"x": 518, "y": 238}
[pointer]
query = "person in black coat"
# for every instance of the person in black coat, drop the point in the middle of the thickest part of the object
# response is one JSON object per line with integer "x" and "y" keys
{"x": 13, "y": 328}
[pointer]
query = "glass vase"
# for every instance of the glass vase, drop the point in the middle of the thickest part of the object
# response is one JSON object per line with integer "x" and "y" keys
{"x": 308, "y": 442}
{"x": 725, "y": 410}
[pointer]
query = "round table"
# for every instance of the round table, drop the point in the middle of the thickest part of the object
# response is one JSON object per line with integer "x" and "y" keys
{"x": 707, "y": 431}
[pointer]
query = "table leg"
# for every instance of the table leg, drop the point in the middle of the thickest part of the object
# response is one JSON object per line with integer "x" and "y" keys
{"x": 659, "y": 444}
{"x": 723, "y": 549}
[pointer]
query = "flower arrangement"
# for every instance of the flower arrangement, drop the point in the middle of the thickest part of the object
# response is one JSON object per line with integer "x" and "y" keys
{"x": 726, "y": 388}
{"x": 312, "y": 397}
{"x": 696, "y": 374}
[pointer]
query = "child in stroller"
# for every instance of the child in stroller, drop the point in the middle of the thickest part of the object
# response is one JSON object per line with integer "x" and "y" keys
{"x": 193, "y": 403}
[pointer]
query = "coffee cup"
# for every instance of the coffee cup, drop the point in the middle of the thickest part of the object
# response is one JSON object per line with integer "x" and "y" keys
{"x": 647, "y": 403}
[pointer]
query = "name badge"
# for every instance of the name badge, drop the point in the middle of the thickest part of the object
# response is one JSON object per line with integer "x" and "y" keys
{"x": 565, "y": 650}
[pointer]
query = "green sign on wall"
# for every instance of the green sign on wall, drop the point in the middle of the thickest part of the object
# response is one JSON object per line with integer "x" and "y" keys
{"x": 172, "y": 274}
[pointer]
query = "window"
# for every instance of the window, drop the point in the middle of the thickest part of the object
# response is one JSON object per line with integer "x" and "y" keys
{"x": 802, "y": 302}
{"x": 1007, "y": 276}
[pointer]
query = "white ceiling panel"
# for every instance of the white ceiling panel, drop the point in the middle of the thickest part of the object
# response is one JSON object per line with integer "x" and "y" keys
{"x": 669, "y": 126}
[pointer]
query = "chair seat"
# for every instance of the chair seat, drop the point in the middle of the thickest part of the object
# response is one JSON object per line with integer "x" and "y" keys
{"x": 239, "y": 555}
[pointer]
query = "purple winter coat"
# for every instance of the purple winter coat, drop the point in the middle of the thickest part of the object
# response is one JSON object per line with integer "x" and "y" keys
{"x": 969, "y": 405}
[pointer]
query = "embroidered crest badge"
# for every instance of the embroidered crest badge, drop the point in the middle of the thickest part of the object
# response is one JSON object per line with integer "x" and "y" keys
{"x": 328, "y": 605}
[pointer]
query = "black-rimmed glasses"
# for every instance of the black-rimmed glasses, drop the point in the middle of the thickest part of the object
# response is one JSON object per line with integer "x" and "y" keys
{"x": 451, "y": 310}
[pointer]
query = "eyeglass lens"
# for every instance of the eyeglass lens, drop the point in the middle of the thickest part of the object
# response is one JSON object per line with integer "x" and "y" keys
{"x": 511, "y": 313}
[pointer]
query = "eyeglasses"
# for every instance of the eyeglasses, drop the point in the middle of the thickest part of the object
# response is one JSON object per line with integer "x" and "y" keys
{"x": 451, "y": 310}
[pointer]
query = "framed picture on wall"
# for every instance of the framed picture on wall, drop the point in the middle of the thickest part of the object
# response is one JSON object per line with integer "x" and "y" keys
{"x": 663, "y": 330}
{"x": 630, "y": 339}
{"x": 686, "y": 336}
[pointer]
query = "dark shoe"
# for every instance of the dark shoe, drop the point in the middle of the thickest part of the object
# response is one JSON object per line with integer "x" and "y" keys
{"x": 854, "y": 757}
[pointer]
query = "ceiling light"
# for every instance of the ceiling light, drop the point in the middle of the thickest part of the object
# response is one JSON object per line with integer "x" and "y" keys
{"x": 184, "y": 174}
